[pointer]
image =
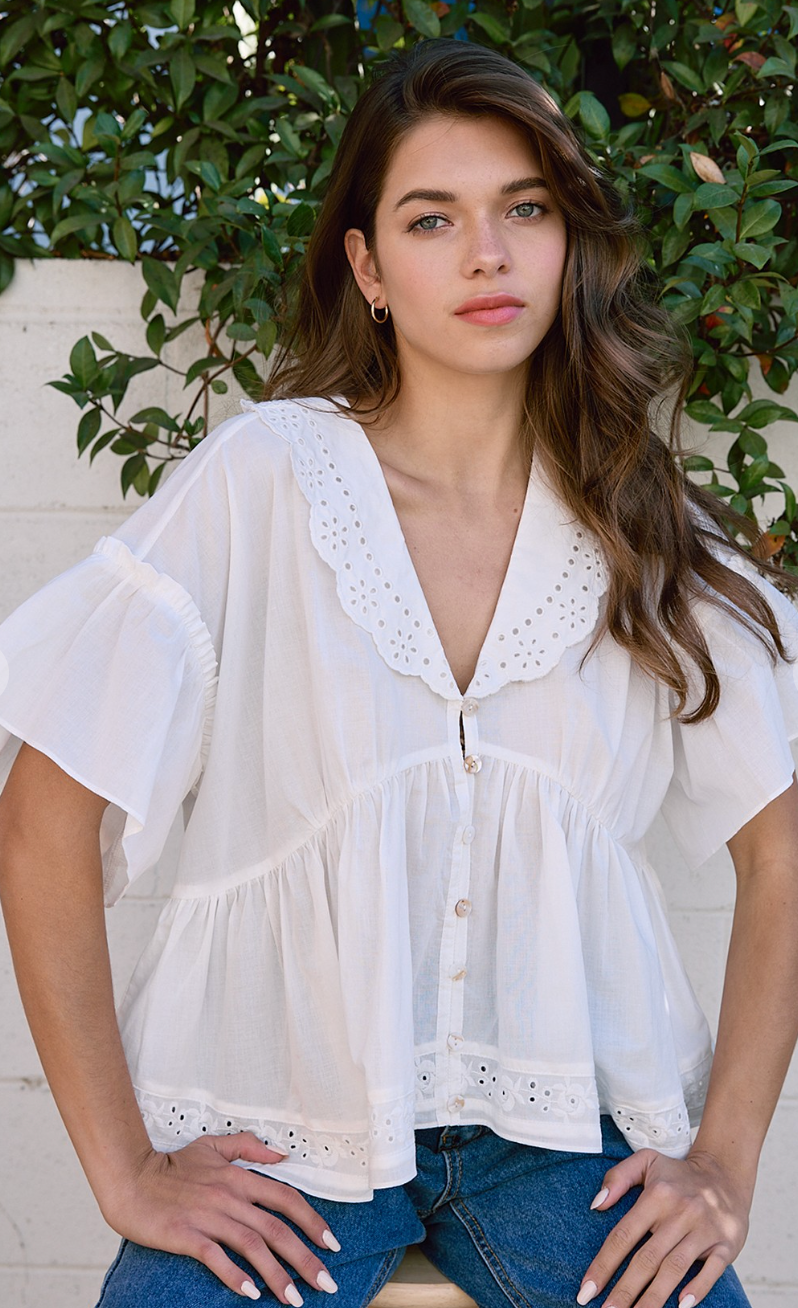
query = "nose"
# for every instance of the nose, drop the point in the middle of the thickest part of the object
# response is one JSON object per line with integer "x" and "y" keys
{"x": 486, "y": 250}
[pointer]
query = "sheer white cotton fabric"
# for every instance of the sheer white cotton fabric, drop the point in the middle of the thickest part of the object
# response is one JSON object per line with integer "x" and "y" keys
{"x": 374, "y": 928}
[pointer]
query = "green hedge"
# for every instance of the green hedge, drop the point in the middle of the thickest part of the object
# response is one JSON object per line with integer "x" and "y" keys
{"x": 199, "y": 137}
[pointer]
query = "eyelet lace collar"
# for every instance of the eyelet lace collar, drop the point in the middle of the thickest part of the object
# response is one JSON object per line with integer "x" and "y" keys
{"x": 550, "y": 596}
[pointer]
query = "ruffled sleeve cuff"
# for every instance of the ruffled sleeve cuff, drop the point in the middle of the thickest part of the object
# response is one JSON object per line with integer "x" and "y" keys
{"x": 730, "y": 766}
{"x": 110, "y": 670}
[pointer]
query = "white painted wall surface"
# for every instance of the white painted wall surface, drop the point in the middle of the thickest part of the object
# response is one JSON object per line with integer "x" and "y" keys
{"x": 54, "y": 1245}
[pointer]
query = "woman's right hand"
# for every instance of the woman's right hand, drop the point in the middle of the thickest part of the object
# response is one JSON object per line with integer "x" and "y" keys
{"x": 192, "y": 1201}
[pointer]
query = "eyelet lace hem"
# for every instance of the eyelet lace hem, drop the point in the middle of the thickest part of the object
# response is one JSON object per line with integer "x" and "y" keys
{"x": 530, "y": 1105}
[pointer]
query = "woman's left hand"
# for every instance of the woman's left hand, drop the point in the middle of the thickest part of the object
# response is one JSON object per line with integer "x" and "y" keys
{"x": 691, "y": 1208}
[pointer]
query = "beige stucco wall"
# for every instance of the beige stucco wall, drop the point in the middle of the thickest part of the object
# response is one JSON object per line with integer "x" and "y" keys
{"x": 54, "y": 1246}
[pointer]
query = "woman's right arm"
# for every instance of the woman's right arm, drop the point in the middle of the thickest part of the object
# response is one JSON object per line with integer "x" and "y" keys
{"x": 191, "y": 1201}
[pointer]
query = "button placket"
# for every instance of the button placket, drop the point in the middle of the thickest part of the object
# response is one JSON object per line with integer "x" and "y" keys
{"x": 454, "y": 943}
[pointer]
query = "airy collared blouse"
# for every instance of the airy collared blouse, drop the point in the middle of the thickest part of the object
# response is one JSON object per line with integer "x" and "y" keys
{"x": 396, "y": 906}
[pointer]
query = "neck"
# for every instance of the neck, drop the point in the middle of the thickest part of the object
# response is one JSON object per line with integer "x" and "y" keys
{"x": 460, "y": 432}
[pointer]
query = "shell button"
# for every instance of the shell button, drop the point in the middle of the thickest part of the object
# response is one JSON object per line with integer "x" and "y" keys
{"x": 468, "y": 835}
{"x": 455, "y": 1103}
{"x": 454, "y": 1041}
{"x": 472, "y": 763}
{"x": 458, "y": 976}
{"x": 470, "y": 706}
{"x": 463, "y": 907}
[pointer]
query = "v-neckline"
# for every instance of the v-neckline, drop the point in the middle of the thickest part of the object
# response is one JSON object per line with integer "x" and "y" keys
{"x": 549, "y": 598}
{"x": 392, "y": 517}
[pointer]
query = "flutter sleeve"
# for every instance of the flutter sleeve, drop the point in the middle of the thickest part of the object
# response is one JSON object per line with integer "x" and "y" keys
{"x": 111, "y": 668}
{"x": 728, "y": 767}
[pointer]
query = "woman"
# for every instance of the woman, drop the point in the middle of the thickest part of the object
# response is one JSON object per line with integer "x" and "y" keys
{"x": 422, "y": 644}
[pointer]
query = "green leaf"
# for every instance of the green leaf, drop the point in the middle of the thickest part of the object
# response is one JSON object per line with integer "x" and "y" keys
{"x": 387, "y": 31}
{"x": 266, "y": 337}
{"x": 674, "y": 246}
{"x": 102, "y": 342}
{"x": 745, "y": 10}
{"x": 271, "y": 246}
{"x": 776, "y": 68}
{"x": 207, "y": 171}
{"x": 714, "y": 195}
{"x": 78, "y": 222}
{"x": 758, "y": 255}
{"x": 593, "y": 115}
{"x": 248, "y": 378}
{"x": 760, "y": 413}
{"x": 668, "y": 176}
{"x": 15, "y": 37}
{"x": 682, "y": 210}
{"x": 156, "y": 331}
{"x": 161, "y": 280}
{"x": 134, "y": 124}
{"x": 703, "y": 411}
{"x": 498, "y": 31}
{"x": 199, "y": 366}
{"x": 624, "y": 45}
{"x": 183, "y": 76}
{"x": 684, "y": 75}
{"x": 314, "y": 81}
{"x": 759, "y": 218}
{"x": 633, "y": 105}
{"x": 183, "y": 12}
{"x": 714, "y": 298}
{"x": 125, "y": 238}
{"x": 88, "y": 428}
{"x": 88, "y": 73}
{"x": 422, "y": 17}
{"x": 83, "y": 362}
{"x": 66, "y": 99}
{"x": 157, "y": 416}
{"x": 119, "y": 38}
{"x": 300, "y": 220}
{"x": 241, "y": 331}
{"x": 697, "y": 463}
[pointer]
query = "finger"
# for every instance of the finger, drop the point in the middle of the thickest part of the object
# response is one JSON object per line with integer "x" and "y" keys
{"x": 280, "y": 1239}
{"x": 291, "y": 1203}
{"x": 624, "y": 1237}
{"x": 250, "y": 1244}
{"x": 246, "y": 1146}
{"x": 211, "y": 1254}
{"x": 697, "y": 1289}
{"x": 657, "y": 1268}
{"x": 620, "y": 1178}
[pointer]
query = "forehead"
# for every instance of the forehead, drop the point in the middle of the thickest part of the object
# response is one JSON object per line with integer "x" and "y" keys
{"x": 444, "y": 146}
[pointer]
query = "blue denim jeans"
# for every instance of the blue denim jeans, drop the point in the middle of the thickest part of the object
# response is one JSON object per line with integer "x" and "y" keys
{"x": 509, "y": 1223}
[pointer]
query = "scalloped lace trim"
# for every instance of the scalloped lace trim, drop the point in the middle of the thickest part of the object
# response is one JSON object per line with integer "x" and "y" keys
{"x": 148, "y": 577}
{"x": 379, "y": 589}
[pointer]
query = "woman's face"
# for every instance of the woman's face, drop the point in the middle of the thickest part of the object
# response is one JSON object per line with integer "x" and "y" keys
{"x": 487, "y": 226}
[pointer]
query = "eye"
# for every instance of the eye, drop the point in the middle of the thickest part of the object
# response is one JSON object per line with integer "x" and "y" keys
{"x": 433, "y": 217}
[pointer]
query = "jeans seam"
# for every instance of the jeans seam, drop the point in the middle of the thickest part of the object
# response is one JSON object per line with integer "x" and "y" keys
{"x": 110, "y": 1272}
{"x": 387, "y": 1266}
{"x": 488, "y": 1254}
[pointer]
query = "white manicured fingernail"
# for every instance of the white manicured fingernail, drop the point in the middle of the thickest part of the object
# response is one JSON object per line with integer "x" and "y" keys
{"x": 250, "y": 1290}
{"x": 600, "y": 1197}
{"x": 326, "y": 1282}
{"x": 330, "y": 1241}
{"x": 688, "y": 1301}
{"x": 293, "y": 1296}
{"x": 589, "y": 1291}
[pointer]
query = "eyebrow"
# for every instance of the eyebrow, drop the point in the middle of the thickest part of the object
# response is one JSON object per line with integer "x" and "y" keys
{"x": 448, "y": 197}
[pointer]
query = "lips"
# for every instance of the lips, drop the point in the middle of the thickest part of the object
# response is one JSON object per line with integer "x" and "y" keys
{"x": 489, "y": 302}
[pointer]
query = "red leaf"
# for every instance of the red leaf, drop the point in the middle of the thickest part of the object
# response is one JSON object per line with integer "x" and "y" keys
{"x": 750, "y": 57}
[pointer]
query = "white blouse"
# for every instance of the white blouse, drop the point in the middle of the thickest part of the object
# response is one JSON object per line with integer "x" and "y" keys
{"x": 374, "y": 928}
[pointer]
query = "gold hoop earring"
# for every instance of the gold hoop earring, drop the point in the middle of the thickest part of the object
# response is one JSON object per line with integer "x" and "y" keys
{"x": 373, "y": 314}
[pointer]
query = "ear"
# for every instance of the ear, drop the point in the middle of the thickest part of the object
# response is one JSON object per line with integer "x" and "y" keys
{"x": 363, "y": 264}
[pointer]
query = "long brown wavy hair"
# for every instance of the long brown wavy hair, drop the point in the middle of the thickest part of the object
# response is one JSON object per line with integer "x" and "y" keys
{"x": 597, "y": 383}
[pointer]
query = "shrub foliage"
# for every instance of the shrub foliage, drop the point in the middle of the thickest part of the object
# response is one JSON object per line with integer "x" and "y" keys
{"x": 190, "y": 137}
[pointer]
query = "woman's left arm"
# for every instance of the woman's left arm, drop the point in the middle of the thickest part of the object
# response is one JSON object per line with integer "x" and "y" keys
{"x": 698, "y": 1207}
